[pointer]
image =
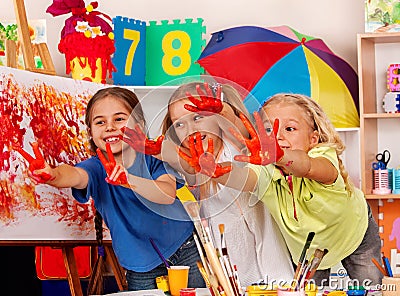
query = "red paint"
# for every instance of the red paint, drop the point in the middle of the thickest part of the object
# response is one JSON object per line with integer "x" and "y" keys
{"x": 55, "y": 119}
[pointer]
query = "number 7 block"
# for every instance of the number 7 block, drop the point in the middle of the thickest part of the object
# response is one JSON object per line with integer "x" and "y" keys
{"x": 130, "y": 51}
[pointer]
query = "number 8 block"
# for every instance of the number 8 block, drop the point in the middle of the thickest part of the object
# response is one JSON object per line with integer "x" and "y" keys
{"x": 172, "y": 50}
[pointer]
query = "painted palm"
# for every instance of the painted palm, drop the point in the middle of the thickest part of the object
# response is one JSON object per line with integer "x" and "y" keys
{"x": 266, "y": 61}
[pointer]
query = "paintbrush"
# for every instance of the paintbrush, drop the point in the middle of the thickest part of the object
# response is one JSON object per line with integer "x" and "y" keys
{"x": 208, "y": 237}
{"x": 226, "y": 261}
{"x": 193, "y": 210}
{"x": 302, "y": 258}
{"x": 379, "y": 266}
{"x": 318, "y": 256}
{"x": 201, "y": 253}
{"x": 206, "y": 278}
{"x": 303, "y": 253}
{"x": 159, "y": 253}
{"x": 217, "y": 268}
{"x": 238, "y": 284}
{"x": 221, "y": 231}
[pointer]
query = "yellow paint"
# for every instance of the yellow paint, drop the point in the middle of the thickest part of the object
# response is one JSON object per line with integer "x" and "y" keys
{"x": 85, "y": 73}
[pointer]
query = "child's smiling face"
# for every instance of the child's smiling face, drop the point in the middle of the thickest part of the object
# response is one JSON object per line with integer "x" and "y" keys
{"x": 109, "y": 115}
{"x": 186, "y": 123}
{"x": 295, "y": 131}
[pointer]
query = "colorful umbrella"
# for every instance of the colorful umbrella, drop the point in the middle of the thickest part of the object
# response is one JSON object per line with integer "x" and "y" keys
{"x": 266, "y": 61}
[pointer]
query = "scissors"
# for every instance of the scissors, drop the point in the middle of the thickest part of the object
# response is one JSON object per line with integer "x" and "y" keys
{"x": 383, "y": 157}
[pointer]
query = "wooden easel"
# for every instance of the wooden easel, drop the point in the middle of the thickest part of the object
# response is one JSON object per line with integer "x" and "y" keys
{"x": 27, "y": 46}
{"x": 72, "y": 270}
{"x": 48, "y": 68}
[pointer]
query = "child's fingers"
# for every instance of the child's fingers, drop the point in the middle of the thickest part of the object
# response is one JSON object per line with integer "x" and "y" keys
{"x": 242, "y": 158}
{"x": 210, "y": 147}
{"x": 160, "y": 140}
{"x": 110, "y": 155}
{"x": 237, "y": 135}
{"x": 184, "y": 156}
{"x": 276, "y": 127}
{"x": 222, "y": 171}
{"x": 102, "y": 157}
{"x": 259, "y": 123}
{"x": 127, "y": 131}
{"x": 219, "y": 91}
{"x": 191, "y": 108}
{"x": 116, "y": 171}
{"x": 207, "y": 88}
{"x": 139, "y": 133}
{"x": 192, "y": 99}
{"x": 24, "y": 154}
{"x": 247, "y": 124}
{"x": 199, "y": 144}
{"x": 36, "y": 151}
{"x": 118, "y": 176}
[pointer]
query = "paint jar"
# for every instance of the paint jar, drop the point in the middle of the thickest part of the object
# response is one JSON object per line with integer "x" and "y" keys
{"x": 381, "y": 181}
{"x": 391, "y": 285}
{"x": 162, "y": 283}
{"x": 188, "y": 292}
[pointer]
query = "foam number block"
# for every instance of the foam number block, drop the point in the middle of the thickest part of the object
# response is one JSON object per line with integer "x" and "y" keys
{"x": 172, "y": 49}
{"x": 393, "y": 77}
{"x": 130, "y": 51}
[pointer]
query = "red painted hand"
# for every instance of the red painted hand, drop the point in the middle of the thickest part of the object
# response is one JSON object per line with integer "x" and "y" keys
{"x": 110, "y": 165}
{"x": 203, "y": 162}
{"x": 138, "y": 141}
{"x": 37, "y": 163}
{"x": 207, "y": 104}
{"x": 264, "y": 149}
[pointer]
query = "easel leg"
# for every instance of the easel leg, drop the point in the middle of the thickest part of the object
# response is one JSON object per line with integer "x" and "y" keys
{"x": 11, "y": 53}
{"x": 72, "y": 271}
{"x": 116, "y": 268}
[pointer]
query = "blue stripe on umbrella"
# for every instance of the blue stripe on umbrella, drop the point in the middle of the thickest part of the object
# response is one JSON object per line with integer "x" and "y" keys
{"x": 289, "y": 75}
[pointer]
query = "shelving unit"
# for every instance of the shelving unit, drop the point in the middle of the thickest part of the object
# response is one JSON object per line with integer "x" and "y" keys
{"x": 378, "y": 130}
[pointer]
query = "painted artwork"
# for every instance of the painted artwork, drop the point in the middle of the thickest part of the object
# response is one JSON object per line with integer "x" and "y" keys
{"x": 8, "y": 30}
{"x": 382, "y": 16}
{"x": 48, "y": 110}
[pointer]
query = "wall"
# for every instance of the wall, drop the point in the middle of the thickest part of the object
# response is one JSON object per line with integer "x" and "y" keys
{"x": 336, "y": 22}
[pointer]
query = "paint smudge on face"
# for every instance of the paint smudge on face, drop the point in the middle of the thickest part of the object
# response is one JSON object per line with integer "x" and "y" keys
{"x": 289, "y": 163}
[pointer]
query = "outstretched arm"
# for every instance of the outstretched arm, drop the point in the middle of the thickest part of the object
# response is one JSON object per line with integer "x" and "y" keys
{"x": 62, "y": 176}
{"x": 300, "y": 164}
{"x": 264, "y": 149}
